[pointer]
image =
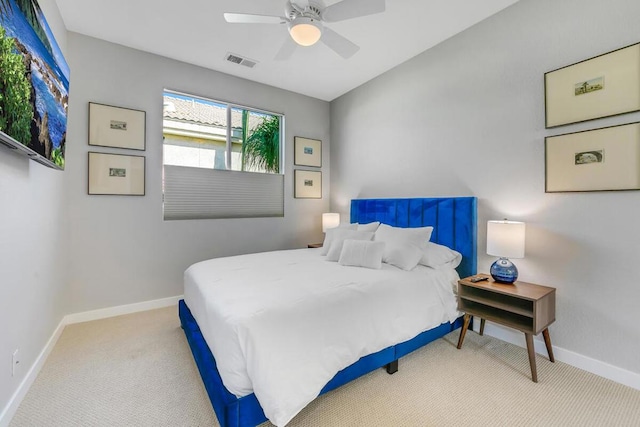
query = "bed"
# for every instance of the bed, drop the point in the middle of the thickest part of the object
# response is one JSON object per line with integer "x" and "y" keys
{"x": 454, "y": 222}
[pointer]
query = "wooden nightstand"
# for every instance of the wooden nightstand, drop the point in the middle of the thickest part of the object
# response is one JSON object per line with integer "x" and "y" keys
{"x": 314, "y": 245}
{"x": 523, "y": 306}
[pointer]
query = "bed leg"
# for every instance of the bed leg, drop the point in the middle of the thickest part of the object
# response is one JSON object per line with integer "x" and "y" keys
{"x": 392, "y": 367}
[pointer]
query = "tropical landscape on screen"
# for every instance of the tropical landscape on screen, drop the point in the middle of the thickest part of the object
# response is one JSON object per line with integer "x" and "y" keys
{"x": 34, "y": 81}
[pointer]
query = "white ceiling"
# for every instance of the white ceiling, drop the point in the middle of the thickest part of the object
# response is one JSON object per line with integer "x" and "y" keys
{"x": 194, "y": 31}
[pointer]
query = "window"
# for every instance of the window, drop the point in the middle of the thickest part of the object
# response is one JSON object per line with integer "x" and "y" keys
{"x": 220, "y": 160}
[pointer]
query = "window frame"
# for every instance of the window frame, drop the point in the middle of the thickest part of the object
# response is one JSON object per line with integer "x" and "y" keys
{"x": 229, "y": 107}
{"x": 180, "y": 205}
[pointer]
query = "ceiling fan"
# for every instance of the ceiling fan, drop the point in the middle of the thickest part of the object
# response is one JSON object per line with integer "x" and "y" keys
{"x": 306, "y": 20}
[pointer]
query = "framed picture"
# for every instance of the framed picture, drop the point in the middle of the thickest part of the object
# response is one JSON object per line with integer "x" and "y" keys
{"x": 116, "y": 174}
{"x": 595, "y": 160}
{"x": 606, "y": 85}
{"x": 307, "y": 184}
{"x": 116, "y": 127}
{"x": 308, "y": 152}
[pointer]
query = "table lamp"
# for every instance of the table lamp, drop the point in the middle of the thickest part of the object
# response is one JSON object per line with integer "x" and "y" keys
{"x": 330, "y": 220}
{"x": 505, "y": 239}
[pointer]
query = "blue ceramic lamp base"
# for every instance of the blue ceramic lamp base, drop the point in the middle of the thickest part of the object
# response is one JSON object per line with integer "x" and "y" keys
{"x": 504, "y": 271}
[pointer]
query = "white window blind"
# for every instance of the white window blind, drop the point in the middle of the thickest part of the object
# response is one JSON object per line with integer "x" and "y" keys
{"x": 198, "y": 193}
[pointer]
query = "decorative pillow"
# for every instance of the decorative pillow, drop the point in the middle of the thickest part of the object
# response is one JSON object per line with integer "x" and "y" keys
{"x": 437, "y": 256}
{"x": 405, "y": 257}
{"x": 362, "y": 253}
{"x": 372, "y": 226}
{"x": 397, "y": 236}
{"x": 328, "y": 236}
{"x": 397, "y": 239}
{"x": 338, "y": 240}
{"x": 347, "y": 225}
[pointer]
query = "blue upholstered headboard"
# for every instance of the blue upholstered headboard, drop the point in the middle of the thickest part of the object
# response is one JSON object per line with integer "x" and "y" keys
{"x": 454, "y": 221}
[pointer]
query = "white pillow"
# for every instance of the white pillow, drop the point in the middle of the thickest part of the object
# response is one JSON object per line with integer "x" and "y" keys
{"x": 438, "y": 256}
{"x": 328, "y": 236}
{"x": 372, "y": 226}
{"x": 362, "y": 253}
{"x": 347, "y": 225}
{"x": 396, "y": 237}
{"x": 405, "y": 257}
{"x": 339, "y": 238}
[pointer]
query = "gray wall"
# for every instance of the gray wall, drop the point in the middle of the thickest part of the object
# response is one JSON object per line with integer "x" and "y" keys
{"x": 33, "y": 251}
{"x": 467, "y": 118}
{"x": 121, "y": 250}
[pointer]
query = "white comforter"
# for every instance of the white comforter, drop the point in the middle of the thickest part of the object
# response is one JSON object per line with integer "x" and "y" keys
{"x": 282, "y": 324}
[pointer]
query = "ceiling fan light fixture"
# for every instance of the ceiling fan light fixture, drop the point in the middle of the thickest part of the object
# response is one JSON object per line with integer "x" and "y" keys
{"x": 305, "y": 31}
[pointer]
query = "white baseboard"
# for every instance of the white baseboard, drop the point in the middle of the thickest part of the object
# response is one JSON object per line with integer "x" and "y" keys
{"x": 12, "y": 407}
{"x": 10, "y": 410}
{"x": 104, "y": 313}
{"x": 619, "y": 375}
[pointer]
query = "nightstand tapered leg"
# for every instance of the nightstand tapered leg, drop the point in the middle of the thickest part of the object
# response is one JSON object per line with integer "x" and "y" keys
{"x": 547, "y": 342}
{"x": 532, "y": 357}
{"x": 465, "y": 325}
{"x": 481, "y": 326}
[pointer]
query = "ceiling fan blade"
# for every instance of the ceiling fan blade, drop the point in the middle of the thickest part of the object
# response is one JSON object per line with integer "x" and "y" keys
{"x": 301, "y": 3}
{"x": 287, "y": 49}
{"x": 246, "y": 18}
{"x": 347, "y": 9}
{"x": 339, "y": 44}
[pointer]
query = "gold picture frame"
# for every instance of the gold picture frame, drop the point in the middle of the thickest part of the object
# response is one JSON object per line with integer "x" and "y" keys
{"x": 116, "y": 174}
{"x": 116, "y": 127}
{"x": 604, "y": 159}
{"x": 603, "y": 86}
{"x": 307, "y": 184}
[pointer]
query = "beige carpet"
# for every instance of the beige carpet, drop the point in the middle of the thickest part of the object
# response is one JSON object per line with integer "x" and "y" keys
{"x": 137, "y": 370}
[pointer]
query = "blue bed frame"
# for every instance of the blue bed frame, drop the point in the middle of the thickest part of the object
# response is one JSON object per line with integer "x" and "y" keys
{"x": 455, "y": 224}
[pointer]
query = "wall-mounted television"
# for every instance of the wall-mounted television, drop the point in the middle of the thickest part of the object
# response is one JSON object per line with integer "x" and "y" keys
{"x": 34, "y": 84}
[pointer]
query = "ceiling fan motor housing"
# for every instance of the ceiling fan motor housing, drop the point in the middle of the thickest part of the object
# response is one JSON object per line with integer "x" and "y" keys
{"x": 313, "y": 10}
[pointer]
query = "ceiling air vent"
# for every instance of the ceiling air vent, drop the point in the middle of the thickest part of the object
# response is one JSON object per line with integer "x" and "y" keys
{"x": 240, "y": 60}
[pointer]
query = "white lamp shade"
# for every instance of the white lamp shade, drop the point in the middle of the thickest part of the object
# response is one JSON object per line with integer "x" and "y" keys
{"x": 305, "y": 31}
{"x": 330, "y": 220}
{"x": 505, "y": 239}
